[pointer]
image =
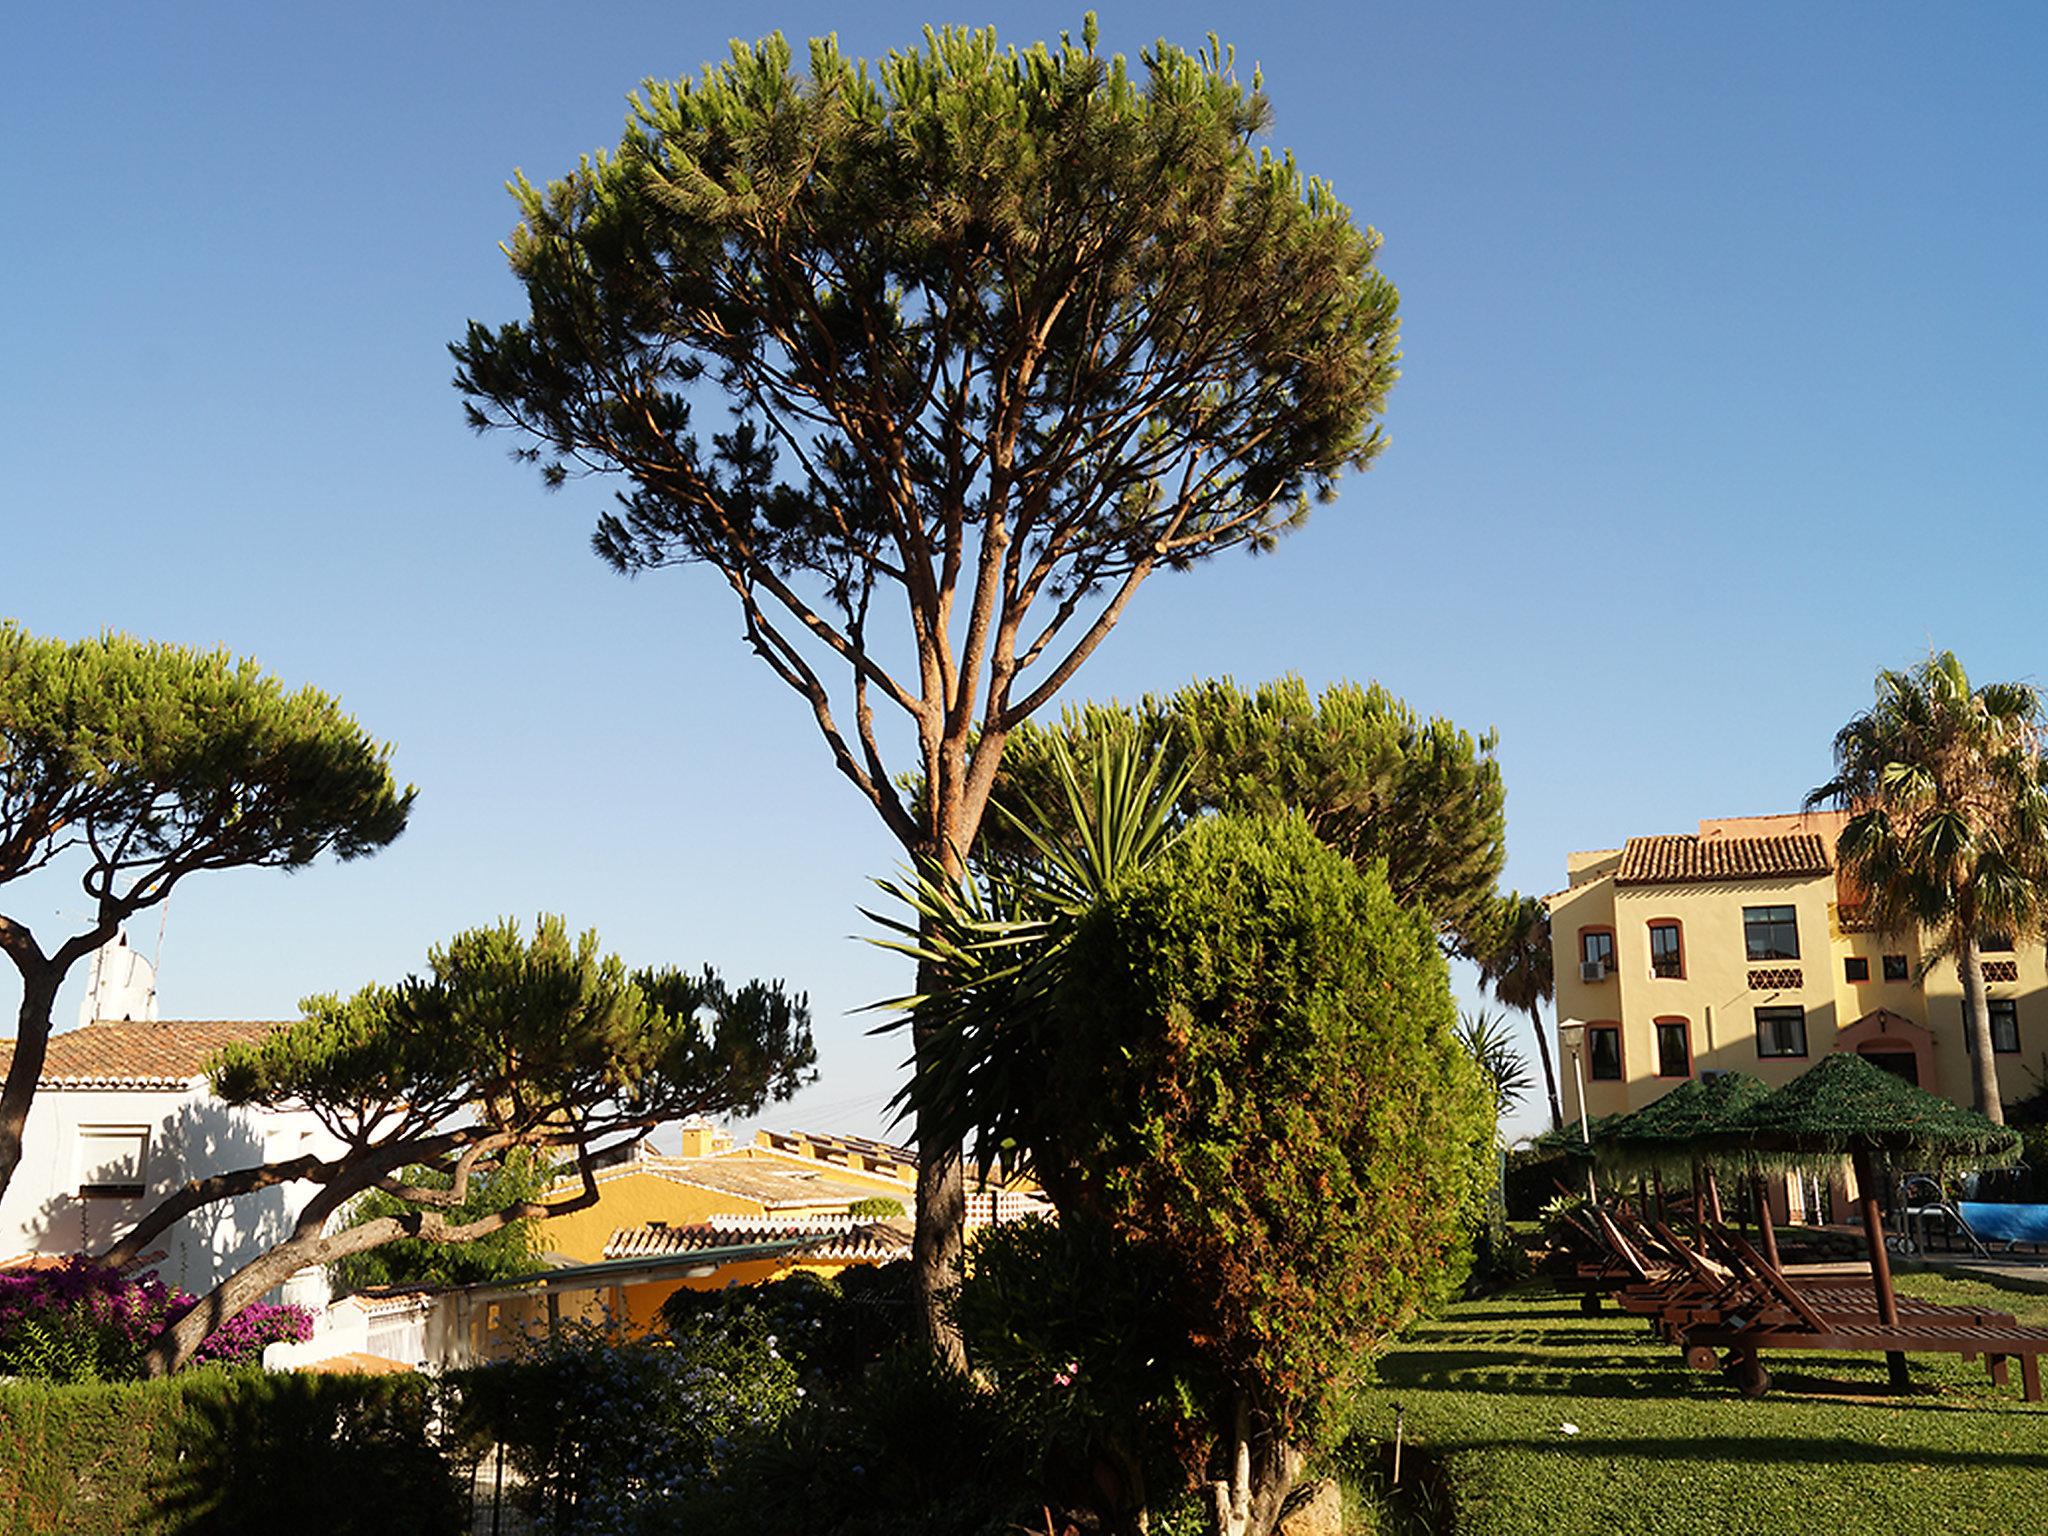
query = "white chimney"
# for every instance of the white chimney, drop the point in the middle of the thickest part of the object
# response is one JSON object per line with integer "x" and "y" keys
{"x": 120, "y": 986}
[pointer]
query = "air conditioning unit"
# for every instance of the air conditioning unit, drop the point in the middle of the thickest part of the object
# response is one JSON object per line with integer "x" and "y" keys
{"x": 1592, "y": 970}
{"x": 1708, "y": 1074}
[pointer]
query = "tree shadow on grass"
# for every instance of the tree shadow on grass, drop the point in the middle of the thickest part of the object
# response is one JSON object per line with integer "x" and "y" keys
{"x": 1536, "y": 1373}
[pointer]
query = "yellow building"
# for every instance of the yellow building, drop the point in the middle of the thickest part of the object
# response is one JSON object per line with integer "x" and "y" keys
{"x": 783, "y": 1176}
{"x": 1729, "y": 950}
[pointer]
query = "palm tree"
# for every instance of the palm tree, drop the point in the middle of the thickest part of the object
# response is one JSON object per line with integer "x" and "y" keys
{"x": 1948, "y": 821}
{"x": 1515, "y": 962}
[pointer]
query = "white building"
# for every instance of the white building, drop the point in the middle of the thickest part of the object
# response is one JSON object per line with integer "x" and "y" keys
{"x": 122, "y": 1116}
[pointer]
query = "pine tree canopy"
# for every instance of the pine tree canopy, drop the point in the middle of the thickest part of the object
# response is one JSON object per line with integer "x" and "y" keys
{"x": 1000, "y": 327}
{"x": 1376, "y": 781}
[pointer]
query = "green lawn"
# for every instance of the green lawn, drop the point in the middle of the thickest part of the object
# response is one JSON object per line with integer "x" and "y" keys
{"x": 1488, "y": 1389}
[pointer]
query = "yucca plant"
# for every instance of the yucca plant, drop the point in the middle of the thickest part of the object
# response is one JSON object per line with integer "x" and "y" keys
{"x": 992, "y": 943}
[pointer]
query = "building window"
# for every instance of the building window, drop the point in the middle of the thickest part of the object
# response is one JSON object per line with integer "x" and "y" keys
{"x": 2005, "y": 1026}
{"x": 1771, "y": 932}
{"x": 1667, "y": 951}
{"x": 1856, "y": 968}
{"x": 110, "y": 1160}
{"x": 1895, "y": 968}
{"x": 1674, "y": 1048}
{"x": 1603, "y": 1047}
{"x": 1995, "y": 943}
{"x": 1596, "y": 947}
{"x": 1781, "y": 1032}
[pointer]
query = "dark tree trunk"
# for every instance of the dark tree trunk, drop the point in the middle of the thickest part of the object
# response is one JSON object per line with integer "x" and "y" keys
{"x": 172, "y": 1349}
{"x": 941, "y": 1234}
{"x": 1977, "y": 1020}
{"x": 39, "y": 983}
{"x": 1263, "y": 1471}
{"x": 1549, "y": 1071}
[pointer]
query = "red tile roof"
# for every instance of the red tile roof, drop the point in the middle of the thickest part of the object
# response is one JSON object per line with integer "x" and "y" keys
{"x": 1704, "y": 860}
{"x": 166, "y": 1053}
{"x": 879, "y": 1241}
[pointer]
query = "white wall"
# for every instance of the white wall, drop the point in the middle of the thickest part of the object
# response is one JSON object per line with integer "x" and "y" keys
{"x": 191, "y": 1133}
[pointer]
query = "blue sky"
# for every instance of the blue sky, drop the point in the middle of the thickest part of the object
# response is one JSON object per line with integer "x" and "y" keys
{"x": 1722, "y": 389}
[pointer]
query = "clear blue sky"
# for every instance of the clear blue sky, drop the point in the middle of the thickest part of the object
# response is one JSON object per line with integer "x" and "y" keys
{"x": 1724, "y": 338}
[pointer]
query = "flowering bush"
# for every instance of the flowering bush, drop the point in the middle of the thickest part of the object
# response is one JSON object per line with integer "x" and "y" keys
{"x": 608, "y": 1437}
{"x": 79, "y": 1322}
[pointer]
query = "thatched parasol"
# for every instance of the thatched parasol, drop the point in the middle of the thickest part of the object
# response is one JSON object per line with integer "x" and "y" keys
{"x": 1670, "y": 1136}
{"x": 1845, "y": 1107}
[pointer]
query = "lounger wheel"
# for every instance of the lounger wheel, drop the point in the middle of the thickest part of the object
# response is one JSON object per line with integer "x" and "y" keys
{"x": 1701, "y": 1357}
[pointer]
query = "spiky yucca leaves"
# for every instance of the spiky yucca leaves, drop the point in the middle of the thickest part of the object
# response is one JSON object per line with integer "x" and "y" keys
{"x": 1947, "y": 793}
{"x": 1378, "y": 781}
{"x": 1485, "y": 1038}
{"x": 990, "y": 947}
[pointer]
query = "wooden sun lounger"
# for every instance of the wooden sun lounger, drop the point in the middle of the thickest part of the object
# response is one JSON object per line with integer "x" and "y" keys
{"x": 1802, "y": 1322}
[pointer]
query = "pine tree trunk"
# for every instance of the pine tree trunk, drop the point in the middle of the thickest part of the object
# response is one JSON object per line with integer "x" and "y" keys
{"x": 1977, "y": 1020}
{"x": 39, "y": 985}
{"x": 172, "y": 1349}
{"x": 940, "y": 1240}
{"x": 1549, "y": 1071}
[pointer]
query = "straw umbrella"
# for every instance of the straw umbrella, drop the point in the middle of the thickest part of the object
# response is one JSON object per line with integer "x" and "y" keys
{"x": 1674, "y": 1134}
{"x": 1845, "y": 1107}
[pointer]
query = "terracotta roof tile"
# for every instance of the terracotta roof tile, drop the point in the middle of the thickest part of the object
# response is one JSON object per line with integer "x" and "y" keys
{"x": 166, "y": 1053}
{"x": 877, "y": 1241}
{"x": 1699, "y": 860}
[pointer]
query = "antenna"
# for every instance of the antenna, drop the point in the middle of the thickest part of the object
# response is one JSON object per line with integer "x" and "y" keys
{"x": 156, "y": 961}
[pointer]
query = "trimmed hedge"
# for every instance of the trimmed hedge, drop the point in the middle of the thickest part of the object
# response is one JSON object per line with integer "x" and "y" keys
{"x": 223, "y": 1451}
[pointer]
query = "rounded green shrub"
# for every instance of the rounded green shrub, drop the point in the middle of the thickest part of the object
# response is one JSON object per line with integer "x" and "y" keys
{"x": 1254, "y": 1070}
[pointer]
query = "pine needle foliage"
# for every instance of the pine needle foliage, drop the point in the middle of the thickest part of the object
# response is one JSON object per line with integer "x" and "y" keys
{"x": 1375, "y": 779}
{"x": 511, "y": 1047}
{"x": 997, "y": 334}
{"x": 135, "y": 764}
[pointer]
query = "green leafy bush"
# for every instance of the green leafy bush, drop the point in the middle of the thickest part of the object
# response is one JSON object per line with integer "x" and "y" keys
{"x": 1256, "y": 1072}
{"x": 906, "y": 1448}
{"x": 1064, "y": 1321}
{"x": 612, "y": 1438}
{"x": 214, "y": 1450}
{"x": 832, "y": 1328}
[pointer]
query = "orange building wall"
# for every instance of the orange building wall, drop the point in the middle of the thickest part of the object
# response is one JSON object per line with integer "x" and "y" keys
{"x": 634, "y": 1200}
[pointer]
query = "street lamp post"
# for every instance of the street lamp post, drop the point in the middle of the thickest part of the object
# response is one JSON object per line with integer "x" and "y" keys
{"x": 1571, "y": 1034}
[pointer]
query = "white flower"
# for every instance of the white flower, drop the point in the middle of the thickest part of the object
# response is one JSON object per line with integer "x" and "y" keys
{"x": 1568, "y": 1428}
